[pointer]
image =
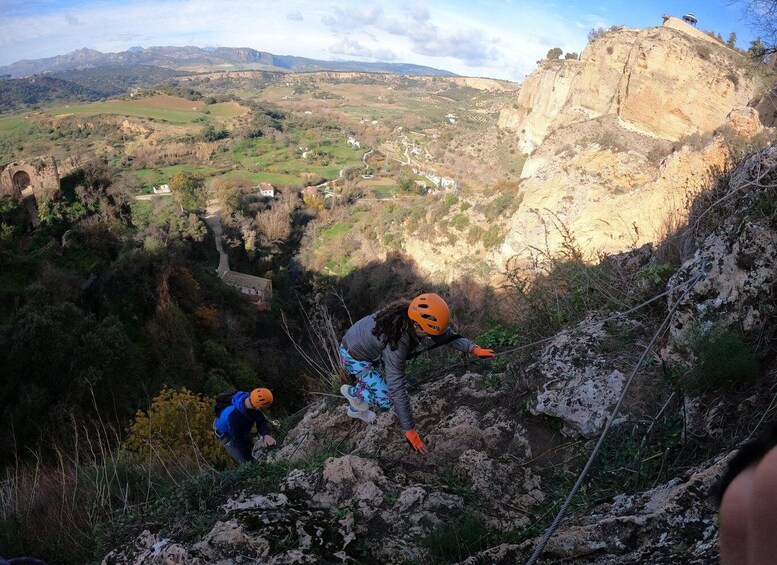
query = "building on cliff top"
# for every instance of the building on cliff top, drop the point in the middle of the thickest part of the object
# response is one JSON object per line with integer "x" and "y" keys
{"x": 687, "y": 25}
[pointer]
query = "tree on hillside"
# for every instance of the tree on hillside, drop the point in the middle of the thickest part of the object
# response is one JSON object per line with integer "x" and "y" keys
{"x": 732, "y": 40}
{"x": 757, "y": 49}
{"x": 573, "y": 56}
{"x": 762, "y": 15}
{"x": 274, "y": 223}
{"x": 596, "y": 33}
{"x": 554, "y": 54}
{"x": 228, "y": 194}
{"x": 189, "y": 191}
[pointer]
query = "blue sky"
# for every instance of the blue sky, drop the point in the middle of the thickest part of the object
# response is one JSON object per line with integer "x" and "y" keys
{"x": 490, "y": 38}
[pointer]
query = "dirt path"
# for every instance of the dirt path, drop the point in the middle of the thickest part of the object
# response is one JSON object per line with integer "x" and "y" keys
{"x": 213, "y": 219}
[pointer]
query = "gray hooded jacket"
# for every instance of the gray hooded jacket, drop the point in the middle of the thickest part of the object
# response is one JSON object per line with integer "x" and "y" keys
{"x": 363, "y": 345}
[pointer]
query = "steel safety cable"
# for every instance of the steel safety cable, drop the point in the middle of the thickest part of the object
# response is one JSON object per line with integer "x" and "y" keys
{"x": 560, "y": 516}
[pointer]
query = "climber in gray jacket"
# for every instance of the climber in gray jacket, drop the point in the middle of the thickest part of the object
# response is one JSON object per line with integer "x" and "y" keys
{"x": 375, "y": 349}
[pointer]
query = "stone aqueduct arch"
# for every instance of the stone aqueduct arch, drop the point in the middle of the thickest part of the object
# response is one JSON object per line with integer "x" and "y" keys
{"x": 30, "y": 182}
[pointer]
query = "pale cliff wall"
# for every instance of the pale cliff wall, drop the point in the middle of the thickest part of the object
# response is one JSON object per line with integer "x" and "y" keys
{"x": 658, "y": 81}
{"x": 612, "y": 199}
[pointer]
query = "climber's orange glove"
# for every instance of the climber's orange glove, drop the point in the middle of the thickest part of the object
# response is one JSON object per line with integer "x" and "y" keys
{"x": 415, "y": 441}
{"x": 483, "y": 353}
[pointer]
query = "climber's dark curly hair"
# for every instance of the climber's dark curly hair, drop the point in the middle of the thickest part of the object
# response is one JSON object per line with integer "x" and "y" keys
{"x": 391, "y": 322}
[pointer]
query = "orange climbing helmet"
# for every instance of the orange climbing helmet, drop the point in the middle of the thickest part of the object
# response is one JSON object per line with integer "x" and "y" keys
{"x": 261, "y": 398}
{"x": 430, "y": 312}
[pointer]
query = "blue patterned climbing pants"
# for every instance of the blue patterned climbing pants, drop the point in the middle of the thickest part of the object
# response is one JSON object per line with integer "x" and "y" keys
{"x": 370, "y": 385}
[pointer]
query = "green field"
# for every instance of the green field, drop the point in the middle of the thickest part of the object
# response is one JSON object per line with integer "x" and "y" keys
{"x": 272, "y": 178}
{"x": 261, "y": 159}
{"x": 161, "y": 175}
{"x": 16, "y": 125}
{"x": 226, "y": 110}
{"x": 383, "y": 191}
{"x": 128, "y": 108}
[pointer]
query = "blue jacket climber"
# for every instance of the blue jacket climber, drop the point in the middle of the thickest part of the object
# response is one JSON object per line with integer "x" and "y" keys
{"x": 233, "y": 426}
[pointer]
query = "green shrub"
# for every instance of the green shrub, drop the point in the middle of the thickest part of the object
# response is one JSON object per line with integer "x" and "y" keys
{"x": 499, "y": 336}
{"x": 734, "y": 78}
{"x": 457, "y": 539}
{"x": 633, "y": 457}
{"x": 177, "y": 427}
{"x": 492, "y": 237}
{"x": 460, "y": 222}
{"x": 656, "y": 274}
{"x": 704, "y": 51}
{"x": 723, "y": 360}
{"x": 502, "y": 205}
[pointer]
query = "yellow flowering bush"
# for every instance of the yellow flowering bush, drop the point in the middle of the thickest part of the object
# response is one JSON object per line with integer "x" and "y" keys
{"x": 177, "y": 427}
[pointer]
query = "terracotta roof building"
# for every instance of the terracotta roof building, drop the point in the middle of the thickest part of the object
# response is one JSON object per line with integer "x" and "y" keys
{"x": 259, "y": 290}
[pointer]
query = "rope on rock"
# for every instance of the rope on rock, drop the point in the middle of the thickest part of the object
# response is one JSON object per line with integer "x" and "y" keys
{"x": 564, "y": 507}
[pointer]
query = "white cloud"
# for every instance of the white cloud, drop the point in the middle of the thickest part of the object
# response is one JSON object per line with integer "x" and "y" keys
{"x": 471, "y": 46}
{"x": 347, "y": 46}
{"x": 353, "y": 18}
{"x": 295, "y": 16}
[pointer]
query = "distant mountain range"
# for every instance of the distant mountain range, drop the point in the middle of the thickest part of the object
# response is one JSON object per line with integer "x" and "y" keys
{"x": 195, "y": 59}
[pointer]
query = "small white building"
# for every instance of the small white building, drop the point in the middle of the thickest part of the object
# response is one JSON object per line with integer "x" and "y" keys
{"x": 266, "y": 189}
{"x": 449, "y": 184}
{"x": 162, "y": 189}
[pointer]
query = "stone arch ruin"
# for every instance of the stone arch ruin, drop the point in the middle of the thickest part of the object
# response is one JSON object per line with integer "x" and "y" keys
{"x": 21, "y": 181}
{"x": 30, "y": 182}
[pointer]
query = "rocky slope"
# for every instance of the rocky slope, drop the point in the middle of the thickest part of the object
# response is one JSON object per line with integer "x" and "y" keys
{"x": 507, "y": 443}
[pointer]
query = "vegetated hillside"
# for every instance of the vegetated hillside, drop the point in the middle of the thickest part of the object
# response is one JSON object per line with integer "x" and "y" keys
{"x": 412, "y": 130}
{"x": 116, "y": 80}
{"x": 79, "y": 85}
{"x": 619, "y": 142}
{"x": 18, "y": 93}
{"x": 193, "y": 58}
{"x": 509, "y": 440}
{"x": 607, "y": 171}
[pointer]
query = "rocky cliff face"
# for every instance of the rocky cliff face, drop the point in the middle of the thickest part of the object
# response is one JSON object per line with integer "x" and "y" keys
{"x": 659, "y": 81}
{"x": 507, "y": 444}
{"x": 610, "y": 200}
{"x": 611, "y": 188}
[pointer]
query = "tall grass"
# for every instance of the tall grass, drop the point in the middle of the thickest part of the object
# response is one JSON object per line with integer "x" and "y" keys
{"x": 51, "y": 506}
{"x": 544, "y": 290}
{"x": 322, "y": 354}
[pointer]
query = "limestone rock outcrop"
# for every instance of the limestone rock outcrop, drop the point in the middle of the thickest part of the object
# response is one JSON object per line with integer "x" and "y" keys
{"x": 674, "y": 523}
{"x": 581, "y": 383}
{"x": 737, "y": 251}
{"x": 609, "y": 200}
{"x": 659, "y": 81}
